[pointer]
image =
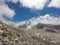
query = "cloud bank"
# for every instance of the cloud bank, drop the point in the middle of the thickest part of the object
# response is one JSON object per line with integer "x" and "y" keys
{"x": 54, "y": 3}
{"x": 5, "y": 11}
{"x": 39, "y": 4}
{"x": 34, "y": 4}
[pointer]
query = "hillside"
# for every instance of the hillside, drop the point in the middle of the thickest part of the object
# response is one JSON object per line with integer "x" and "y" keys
{"x": 13, "y": 36}
{"x": 16, "y": 36}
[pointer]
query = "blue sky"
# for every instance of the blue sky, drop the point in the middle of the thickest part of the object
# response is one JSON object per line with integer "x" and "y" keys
{"x": 23, "y": 13}
{"x": 21, "y": 10}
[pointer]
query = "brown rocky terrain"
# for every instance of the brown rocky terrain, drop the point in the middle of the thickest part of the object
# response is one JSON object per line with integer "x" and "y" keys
{"x": 16, "y": 36}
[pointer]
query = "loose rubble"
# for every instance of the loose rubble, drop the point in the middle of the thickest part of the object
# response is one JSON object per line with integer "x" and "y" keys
{"x": 13, "y": 36}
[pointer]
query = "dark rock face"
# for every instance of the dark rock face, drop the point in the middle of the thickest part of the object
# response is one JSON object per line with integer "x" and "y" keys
{"x": 47, "y": 27}
{"x": 40, "y": 26}
{"x": 57, "y": 27}
{"x": 51, "y": 30}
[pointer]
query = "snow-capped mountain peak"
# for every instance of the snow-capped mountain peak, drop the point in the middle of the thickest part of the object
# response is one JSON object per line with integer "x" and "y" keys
{"x": 47, "y": 19}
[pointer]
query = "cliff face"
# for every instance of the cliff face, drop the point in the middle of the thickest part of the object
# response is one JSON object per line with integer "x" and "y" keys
{"x": 14, "y": 36}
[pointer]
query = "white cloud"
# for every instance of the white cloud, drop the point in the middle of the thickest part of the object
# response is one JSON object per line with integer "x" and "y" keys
{"x": 54, "y": 3}
{"x": 5, "y": 11}
{"x": 34, "y": 4}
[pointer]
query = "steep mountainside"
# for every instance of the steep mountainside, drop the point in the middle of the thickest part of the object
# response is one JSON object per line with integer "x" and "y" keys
{"x": 16, "y": 36}
{"x": 13, "y": 36}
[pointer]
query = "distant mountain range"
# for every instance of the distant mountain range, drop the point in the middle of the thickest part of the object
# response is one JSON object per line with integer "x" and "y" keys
{"x": 40, "y": 22}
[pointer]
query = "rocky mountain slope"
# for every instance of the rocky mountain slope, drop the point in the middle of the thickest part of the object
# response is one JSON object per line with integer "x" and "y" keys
{"x": 15, "y": 36}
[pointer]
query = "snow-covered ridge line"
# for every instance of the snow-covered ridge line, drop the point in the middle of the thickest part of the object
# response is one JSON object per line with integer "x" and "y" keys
{"x": 47, "y": 19}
